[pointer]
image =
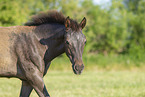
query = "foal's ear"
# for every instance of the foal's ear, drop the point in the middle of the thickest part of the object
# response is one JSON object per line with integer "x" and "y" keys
{"x": 67, "y": 23}
{"x": 83, "y": 23}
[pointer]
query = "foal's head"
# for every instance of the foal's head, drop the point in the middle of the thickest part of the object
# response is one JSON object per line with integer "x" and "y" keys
{"x": 74, "y": 43}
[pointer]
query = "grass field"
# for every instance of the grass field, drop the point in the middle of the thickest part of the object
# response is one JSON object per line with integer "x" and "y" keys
{"x": 89, "y": 84}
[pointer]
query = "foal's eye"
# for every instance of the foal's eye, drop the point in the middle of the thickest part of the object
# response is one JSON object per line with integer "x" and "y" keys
{"x": 67, "y": 42}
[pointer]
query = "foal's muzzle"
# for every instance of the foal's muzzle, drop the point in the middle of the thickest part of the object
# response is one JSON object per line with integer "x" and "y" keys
{"x": 78, "y": 68}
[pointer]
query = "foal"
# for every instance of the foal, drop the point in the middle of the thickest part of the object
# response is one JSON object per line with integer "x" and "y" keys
{"x": 27, "y": 51}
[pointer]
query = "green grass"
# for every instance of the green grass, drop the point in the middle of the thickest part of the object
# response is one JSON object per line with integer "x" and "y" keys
{"x": 89, "y": 84}
{"x": 104, "y": 76}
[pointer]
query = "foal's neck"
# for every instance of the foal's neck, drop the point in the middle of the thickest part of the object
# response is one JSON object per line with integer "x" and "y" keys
{"x": 53, "y": 37}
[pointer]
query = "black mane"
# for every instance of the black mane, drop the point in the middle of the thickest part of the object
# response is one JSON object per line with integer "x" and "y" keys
{"x": 51, "y": 17}
{"x": 46, "y": 17}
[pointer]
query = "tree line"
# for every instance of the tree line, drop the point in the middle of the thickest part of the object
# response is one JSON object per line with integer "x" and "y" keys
{"x": 114, "y": 28}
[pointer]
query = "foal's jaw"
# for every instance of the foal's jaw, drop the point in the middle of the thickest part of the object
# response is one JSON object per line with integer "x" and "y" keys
{"x": 77, "y": 66}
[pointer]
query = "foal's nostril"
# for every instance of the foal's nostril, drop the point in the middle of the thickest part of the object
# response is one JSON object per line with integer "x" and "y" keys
{"x": 76, "y": 67}
{"x": 79, "y": 67}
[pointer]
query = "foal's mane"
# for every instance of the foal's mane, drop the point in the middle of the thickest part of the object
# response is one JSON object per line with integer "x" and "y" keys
{"x": 51, "y": 17}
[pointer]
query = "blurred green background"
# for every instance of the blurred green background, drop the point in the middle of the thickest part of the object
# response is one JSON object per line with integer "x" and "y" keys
{"x": 115, "y": 29}
{"x": 114, "y": 55}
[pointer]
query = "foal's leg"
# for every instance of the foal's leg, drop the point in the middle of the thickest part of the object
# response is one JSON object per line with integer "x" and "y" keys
{"x": 26, "y": 89}
{"x": 39, "y": 86}
{"x": 35, "y": 79}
